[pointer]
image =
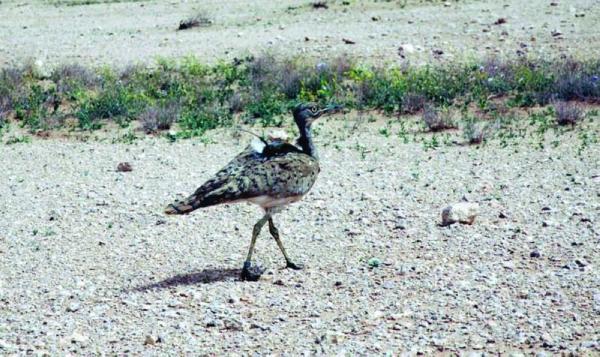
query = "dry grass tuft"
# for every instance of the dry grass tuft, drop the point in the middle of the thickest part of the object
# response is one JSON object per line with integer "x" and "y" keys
{"x": 320, "y": 5}
{"x": 199, "y": 20}
{"x": 567, "y": 113}
{"x": 154, "y": 119}
{"x": 477, "y": 132}
{"x": 436, "y": 120}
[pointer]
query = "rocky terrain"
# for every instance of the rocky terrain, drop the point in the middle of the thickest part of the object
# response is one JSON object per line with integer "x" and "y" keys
{"x": 122, "y": 33}
{"x": 91, "y": 265}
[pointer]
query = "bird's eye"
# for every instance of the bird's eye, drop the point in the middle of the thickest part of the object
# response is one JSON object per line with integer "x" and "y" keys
{"x": 313, "y": 109}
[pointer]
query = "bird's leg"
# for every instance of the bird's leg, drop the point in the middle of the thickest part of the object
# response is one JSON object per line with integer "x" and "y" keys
{"x": 249, "y": 272}
{"x": 275, "y": 233}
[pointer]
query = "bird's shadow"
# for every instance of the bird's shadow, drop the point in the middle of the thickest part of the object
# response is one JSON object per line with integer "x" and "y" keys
{"x": 206, "y": 276}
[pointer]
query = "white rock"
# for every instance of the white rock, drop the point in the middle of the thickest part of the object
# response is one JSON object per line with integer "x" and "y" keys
{"x": 40, "y": 70}
{"x": 463, "y": 212}
{"x": 408, "y": 48}
{"x": 73, "y": 307}
{"x": 77, "y": 337}
{"x": 149, "y": 341}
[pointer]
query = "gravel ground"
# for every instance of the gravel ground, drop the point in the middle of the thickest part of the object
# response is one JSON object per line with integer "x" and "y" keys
{"x": 90, "y": 265}
{"x": 132, "y": 32}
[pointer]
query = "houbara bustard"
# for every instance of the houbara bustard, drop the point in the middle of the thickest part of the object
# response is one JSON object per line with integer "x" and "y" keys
{"x": 269, "y": 174}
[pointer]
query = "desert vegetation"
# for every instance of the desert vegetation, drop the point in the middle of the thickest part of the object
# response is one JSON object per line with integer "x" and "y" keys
{"x": 198, "y": 97}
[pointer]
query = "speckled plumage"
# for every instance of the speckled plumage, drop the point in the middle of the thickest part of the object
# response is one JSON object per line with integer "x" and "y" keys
{"x": 281, "y": 170}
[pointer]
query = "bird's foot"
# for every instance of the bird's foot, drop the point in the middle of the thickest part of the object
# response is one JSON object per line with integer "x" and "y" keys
{"x": 251, "y": 272}
{"x": 294, "y": 266}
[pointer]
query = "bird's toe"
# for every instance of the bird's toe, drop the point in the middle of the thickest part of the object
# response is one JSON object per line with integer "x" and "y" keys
{"x": 251, "y": 272}
{"x": 295, "y": 266}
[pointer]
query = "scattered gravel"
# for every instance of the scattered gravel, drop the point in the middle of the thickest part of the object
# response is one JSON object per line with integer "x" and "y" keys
{"x": 102, "y": 276}
{"x": 131, "y": 32}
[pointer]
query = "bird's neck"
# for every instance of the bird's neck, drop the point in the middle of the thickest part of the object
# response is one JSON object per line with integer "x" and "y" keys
{"x": 305, "y": 141}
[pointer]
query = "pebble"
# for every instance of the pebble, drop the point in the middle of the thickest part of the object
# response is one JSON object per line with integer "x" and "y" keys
{"x": 124, "y": 167}
{"x": 77, "y": 337}
{"x": 149, "y": 341}
{"x": 535, "y": 254}
{"x": 463, "y": 212}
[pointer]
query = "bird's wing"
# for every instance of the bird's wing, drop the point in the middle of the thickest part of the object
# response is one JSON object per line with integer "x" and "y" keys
{"x": 252, "y": 175}
{"x": 276, "y": 171}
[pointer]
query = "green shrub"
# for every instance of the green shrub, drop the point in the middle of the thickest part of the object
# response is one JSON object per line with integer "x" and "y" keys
{"x": 264, "y": 88}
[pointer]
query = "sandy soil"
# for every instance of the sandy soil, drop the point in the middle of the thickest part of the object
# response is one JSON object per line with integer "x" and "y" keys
{"x": 89, "y": 263}
{"x": 128, "y": 32}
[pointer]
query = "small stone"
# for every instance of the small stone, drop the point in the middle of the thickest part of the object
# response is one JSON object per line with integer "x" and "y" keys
{"x": 77, "y": 337}
{"x": 463, "y": 212}
{"x": 260, "y": 327}
{"x": 209, "y": 322}
{"x": 581, "y": 263}
{"x": 234, "y": 325}
{"x": 73, "y": 307}
{"x": 407, "y": 48}
{"x": 124, "y": 167}
{"x": 149, "y": 341}
{"x": 388, "y": 285}
{"x": 335, "y": 337}
{"x": 40, "y": 70}
{"x": 52, "y": 216}
{"x": 548, "y": 223}
{"x": 535, "y": 254}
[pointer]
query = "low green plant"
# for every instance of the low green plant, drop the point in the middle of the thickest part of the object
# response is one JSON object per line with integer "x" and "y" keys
{"x": 18, "y": 139}
{"x": 432, "y": 143}
{"x": 475, "y": 132}
{"x": 128, "y": 138}
{"x": 403, "y": 132}
{"x": 385, "y": 131}
{"x": 263, "y": 89}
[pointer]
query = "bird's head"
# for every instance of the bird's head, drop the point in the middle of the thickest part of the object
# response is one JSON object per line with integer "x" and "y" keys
{"x": 306, "y": 113}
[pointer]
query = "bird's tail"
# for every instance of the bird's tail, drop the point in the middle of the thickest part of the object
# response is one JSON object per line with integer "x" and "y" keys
{"x": 184, "y": 206}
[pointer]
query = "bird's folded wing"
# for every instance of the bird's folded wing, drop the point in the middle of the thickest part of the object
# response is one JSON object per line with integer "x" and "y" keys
{"x": 250, "y": 175}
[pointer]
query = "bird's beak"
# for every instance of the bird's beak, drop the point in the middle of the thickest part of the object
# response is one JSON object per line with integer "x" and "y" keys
{"x": 331, "y": 109}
